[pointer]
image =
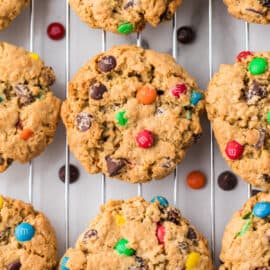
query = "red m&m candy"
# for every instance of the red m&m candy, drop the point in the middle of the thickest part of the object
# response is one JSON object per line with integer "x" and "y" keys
{"x": 179, "y": 89}
{"x": 243, "y": 55}
{"x": 234, "y": 150}
{"x": 145, "y": 138}
{"x": 56, "y": 31}
{"x": 160, "y": 234}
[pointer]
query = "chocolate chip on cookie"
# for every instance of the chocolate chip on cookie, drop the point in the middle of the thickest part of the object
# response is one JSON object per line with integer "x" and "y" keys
{"x": 97, "y": 90}
{"x": 83, "y": 121}
{"x": 107, "y": 63}
{"x": 114, "y": 165}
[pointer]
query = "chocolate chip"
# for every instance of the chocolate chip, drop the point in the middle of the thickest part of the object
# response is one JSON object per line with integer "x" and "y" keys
{"x": 173, "y": 215}
{"x": 160, "y": 92}
{"x": 107, "y": 63}
{"x": 260, "y": 142}
{"x": 2, "y": 161}
{"x": 196, "y": 137}
{"x": 4, "y": 235}
{"x": 92, "y": 233}
{"x": 114, "y": 165}
{"x": 266, "y": 178}
{"x": 160, "y": 111}
{"x": 227, "y": 181}
{"x": 97, "y": 90}
{"x": 19, "y": 124}
{"x": 83, "y": 121}
{"x": 255, "y": 90}
{"x": 191, "y": 234}
{"x": 15, "y": 265}
{"x": 74, "y": 173}
{"x": 265, "y": 3}
{"x": 24, "y": 94}
{"x": 262, "y": 13}
{"x": 254, "y": 192}
{"x": 139, "y": 264}
{"x": 145, "y": 44}
{"x": 185, "y": 34}
{"x": 183, "y": 246}
{"x": 167, "y": 163}
{"x": 129, "y": 4}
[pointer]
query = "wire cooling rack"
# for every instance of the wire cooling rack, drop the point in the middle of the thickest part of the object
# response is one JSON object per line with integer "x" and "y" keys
{"x": 70, "y": 207}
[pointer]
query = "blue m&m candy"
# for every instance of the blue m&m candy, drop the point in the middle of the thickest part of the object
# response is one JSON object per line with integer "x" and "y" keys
{"x": 262, "y": 209}
{"x": 24, "y": 232}
{"x": 64, "y": 262}
{"x": 195, "y": 97}
{"x": 163, "y": 201}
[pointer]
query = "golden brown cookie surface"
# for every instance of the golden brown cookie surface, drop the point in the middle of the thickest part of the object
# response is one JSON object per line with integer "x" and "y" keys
{"x": 28, "y": 110}
{"x": 254, "y": 11}
{"x": 238, "y": 105}
{"x": 136, "y": 234}
{"x": 245, "y": 244}
{"x": 9, "y": 10}
{"x": 124, "y": 16}
{"x": 27, "y": 239}
{"x": 131, "y": 114}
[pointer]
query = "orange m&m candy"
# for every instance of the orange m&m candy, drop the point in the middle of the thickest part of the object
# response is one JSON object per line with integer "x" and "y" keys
{"x": 26, "y": 134}
{"x": 146, "y": 94}
{"x": 196, "y": 180}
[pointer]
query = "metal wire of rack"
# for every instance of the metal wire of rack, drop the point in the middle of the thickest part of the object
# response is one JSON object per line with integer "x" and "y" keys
{"x": 103, "y": 177}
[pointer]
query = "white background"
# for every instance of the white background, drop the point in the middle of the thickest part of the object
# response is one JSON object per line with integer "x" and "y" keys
{"x": 228, "y": 37}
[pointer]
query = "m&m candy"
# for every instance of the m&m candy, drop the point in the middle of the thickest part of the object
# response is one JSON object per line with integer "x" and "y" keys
{"x": 145, "y": 139}
{"x": 1, "y": 202}
{"x": 234, "y": 150}
{"x": 24, "y": 232}
{"x": 119, "y": 220}
{"x": 258, "y": 65}
{"x": 163, "y": 201}
{"x": 64, "y": 262}
{"x": 195, "y": 97}
{"x": 121, "y": 119}
{"x": 125, "y": 28}
{"x": 121, "y": 248}
{"x": 161, "y": 234}
{"x": 56, "y": 31}
{"x": 193, "y": 260}
{"x": 196, "y": 180}
{"x": 179, "y": 89}
{"x": 262, "y": 209}
{"x": 146, "y": 95}
{"x": 243, "y": 55}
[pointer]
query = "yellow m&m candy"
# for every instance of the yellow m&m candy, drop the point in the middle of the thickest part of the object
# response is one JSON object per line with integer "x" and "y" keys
{"x": 35, "y": 56}
{"x": 192, "y": 260}
{"x": 119, "y": 220}
{"x": 1, "y": 202}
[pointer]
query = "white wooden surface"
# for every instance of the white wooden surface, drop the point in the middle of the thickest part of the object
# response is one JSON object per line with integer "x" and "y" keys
{"x": 228, "y": 35}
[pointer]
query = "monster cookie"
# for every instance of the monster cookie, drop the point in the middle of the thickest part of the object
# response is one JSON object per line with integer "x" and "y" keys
{"x": 9, "y": 10}
{"x": 238, "y": 105}
{"x": 27, "y": 239}
{"x": 136, "y": 234}
{"x": 256, "y": 11}
{"x": 245, "y": 244}
{"x": 124, "y": 16}
{"x": 132, "y": 113}
{"x": 28, "y": 110}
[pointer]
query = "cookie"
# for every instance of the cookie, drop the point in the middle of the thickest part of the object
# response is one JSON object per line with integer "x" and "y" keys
{"x": 245, "y": 244}
{"x": 29, "y": 112}
{"x": 27, "y": 239}
{"x": 131, "y": 114}
{"x": 9, "y": 10}
{"x": 237, "y": 103}
{"x": 124, "y": 16}
{"x": 136, "y": 234}
{"x": 254, "y": 11}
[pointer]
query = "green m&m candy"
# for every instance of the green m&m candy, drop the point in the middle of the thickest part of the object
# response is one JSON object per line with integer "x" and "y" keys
{"x": 268, "y": 117}
{"x": 121, "y": 119}
{"x": 125, "y": 28}
{"x": 121, "y": 248}
{"x": 258, "y": 66}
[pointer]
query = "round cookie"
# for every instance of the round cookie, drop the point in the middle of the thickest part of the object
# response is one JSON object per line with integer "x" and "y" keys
{"x": 124, "y": 16}
{"x": 238, "y": 105}
{"x": 131, "y": 114}
{"x": 29, "y": 112}
{"x": 254, "y": 11}
{"x": 136, "y": 234}
{"x": 9, "y": 10}
{"x": 27, "y": 239}
{"x": 245, "y": 244}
